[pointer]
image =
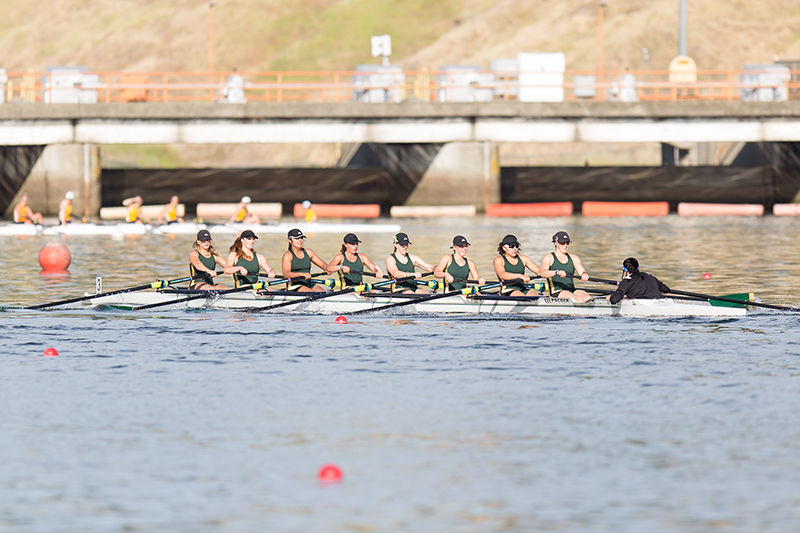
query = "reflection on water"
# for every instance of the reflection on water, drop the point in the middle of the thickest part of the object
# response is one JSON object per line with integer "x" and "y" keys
{"x": 743, "y": 254}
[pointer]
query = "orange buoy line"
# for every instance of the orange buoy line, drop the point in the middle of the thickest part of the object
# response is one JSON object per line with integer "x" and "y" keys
{"x": 625, "y": 209}
{"x": 547, "y": 209}
{"x": 692, "y": 209}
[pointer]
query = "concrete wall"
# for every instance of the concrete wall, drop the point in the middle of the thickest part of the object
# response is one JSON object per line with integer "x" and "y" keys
{"x": 62, "y": 168}
{"x": 463, "y": 173}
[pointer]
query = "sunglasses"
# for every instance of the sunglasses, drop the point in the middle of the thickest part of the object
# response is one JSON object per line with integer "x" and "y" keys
{"x": 513, "y": 245}
{"x": 564, "y": 243}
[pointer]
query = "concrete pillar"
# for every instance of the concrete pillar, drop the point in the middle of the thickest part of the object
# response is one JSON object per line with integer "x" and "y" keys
{"x": 62, "y": 168}
{"x": 463, "y": 173}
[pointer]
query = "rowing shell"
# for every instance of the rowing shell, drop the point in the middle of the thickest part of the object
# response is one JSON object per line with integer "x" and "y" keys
{"x": 458, "y": 304}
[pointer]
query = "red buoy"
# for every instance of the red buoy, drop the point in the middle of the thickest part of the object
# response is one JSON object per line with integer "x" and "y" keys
{"x": 330, "y": 473}
{"x": 51, "y": 352}
{"x": 341, "y": 319}
{"x": 706, "y": 275}
{"x": 54, "y": 257}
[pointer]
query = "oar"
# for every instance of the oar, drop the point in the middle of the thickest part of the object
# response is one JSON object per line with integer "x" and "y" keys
{"x": 465, "y": 291}
{"x": 209, "y": 294}
{"x": 158, "y": 284}
{"x": 733, "y": 300}
{"x": 319, "y": 296}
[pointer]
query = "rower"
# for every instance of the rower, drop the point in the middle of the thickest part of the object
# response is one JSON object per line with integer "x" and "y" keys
{"x": 637, "y": 284}
{"x": 510, "y": 267}
{"x": 456, "y": 268}
{"x": 23, "y": 214}
{"x": 350, "y": 264}
{"x": 310, "y": 215}
{"x": 134, "y": 205}
{"x": 169, "y": 213}
{"x": 558, "y": 267}
{"x": 243, "y": 214}
{"x": 65, "y": 209}
{"x": 203, "y": 261}
{"x": 296, "y": 263}
{"x": 246, "y": 262}
{"x": 400, "y": 264}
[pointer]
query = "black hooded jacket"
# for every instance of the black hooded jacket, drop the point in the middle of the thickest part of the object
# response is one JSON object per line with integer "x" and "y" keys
{"x": 638, "y": 285}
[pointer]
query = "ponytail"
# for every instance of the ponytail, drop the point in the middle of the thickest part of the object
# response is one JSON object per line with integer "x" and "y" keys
{"x": 631, "y": 265}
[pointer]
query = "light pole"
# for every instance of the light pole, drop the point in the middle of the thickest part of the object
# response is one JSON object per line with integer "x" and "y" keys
{"x": 600, "y": 66}
{"x": 211, "y": 5}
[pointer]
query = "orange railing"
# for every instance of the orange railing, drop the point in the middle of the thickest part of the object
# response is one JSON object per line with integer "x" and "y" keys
{"x": 390, "y": 86}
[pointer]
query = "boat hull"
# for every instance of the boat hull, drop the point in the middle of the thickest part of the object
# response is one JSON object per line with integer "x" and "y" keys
{"x": 350, "y": 303}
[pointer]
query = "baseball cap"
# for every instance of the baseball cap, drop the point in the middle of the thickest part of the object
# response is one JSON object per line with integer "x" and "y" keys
{"x": 460, "y": 240}
{"x": 245, "y": 199}
{"x": 204, "y": 235}
{"x": 561, "y": 237}
{"x": 351, "y": 238}
{"x": 510, "y": 240}
{"x": 306, "y": 204}
{"x": 69, "y": 195}
{"x": 401, "y": 238}
{"x": 248, "y": 234}
{"x": 296, "y": 234}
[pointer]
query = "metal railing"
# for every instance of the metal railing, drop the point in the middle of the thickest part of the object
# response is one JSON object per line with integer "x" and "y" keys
{"x": 382, "y": 86}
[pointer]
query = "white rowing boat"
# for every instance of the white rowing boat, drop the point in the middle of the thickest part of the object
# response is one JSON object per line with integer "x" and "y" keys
{"x": 459, "y": 304}
{"x": 188, "y": 228}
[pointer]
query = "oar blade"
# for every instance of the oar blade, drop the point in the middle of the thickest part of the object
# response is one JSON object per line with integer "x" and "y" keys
{"x": 744, "y": 297}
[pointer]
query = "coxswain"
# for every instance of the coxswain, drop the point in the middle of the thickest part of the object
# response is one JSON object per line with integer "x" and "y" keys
{"x": 65, "y": 209}
{"x": 203, "y": 261}
{"x": 456, "y": 268}
{"x": 169, "y": 213}
{"x": 244, "y": 262}
{"x": 243, "y": 214}
{"x": 134, "y": 205}
{"x": 23, "y": 214}
{"x": 635, "y": 284}
{"x": 310, "y": 215}
{"x": 296, "y": 263}
{"x": 401, "y": 264}
{"x": 510, "y": 265}
{"x": 559, "y": 267}
{"x": 350, "y": 264}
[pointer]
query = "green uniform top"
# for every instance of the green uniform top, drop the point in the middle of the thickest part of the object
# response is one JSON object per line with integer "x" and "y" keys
{"x": 302, "y": 264}
{"x": 199, "y": 275}
{"x": 557, "y": 283}
{"x": 519, "y": 268}
{"x": 459, "y": 272}
{"x": 252, "y": 267}
{"x": 408, "y": 266}
{"x": 351, "y": 279}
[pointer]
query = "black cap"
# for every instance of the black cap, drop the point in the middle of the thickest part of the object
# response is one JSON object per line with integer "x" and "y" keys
{"x": 296, "y": 234}
{"x": 401, "y": 238}
{"x": 351, "y": 238}
{"x": 561, "y": 237}
{"x": 203, "y": 235}
{"x": 460, "y": 240}
{"x": 248, "y": 234}
{"x": 510, "y": 240}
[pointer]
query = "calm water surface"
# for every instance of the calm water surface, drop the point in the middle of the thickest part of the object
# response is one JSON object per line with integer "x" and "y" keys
{"x": 218, "y": 421}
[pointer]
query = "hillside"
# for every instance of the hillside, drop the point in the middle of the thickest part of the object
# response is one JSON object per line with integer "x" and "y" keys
{"x": 127, "y": 35}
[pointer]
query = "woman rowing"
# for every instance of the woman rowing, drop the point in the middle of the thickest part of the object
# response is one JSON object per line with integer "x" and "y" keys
{"x": 559, "y": 267}
{"x": 456, "y": 268}
{"x": 169, "y": 213}
{"x": 637, "y": 284}
{"x": 65, "y": 209}
{"x": 296, "y": 263}
{"x": 510, "y": 266}
{"x": 203, "y": 261}
{"x": 243, "y": 214}
{"x": 246, "y": 262}
{"x": 401, "y": 264}
{"x": 134, "y": 214}
{"x": 23, "y": 214}
{"x": 350, "y": 264}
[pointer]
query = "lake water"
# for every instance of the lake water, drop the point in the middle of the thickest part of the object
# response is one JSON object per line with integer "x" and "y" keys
{"x": 219, "y": 421}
